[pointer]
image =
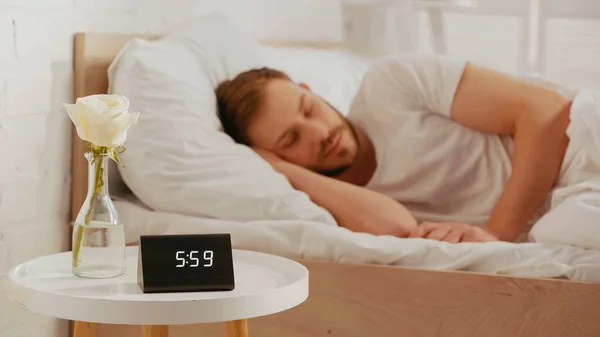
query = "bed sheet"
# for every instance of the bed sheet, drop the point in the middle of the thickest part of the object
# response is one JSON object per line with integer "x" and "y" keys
{"x": 312, "y": 240}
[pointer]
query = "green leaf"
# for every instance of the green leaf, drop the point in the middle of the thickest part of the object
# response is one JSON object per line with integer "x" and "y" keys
{"x": 112, "y": 153}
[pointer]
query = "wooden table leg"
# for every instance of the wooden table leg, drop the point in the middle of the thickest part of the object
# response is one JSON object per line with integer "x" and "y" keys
{"x": 85, "y": 329}
{"x": 155, "y": 331}
{"x": 237, "y": 328}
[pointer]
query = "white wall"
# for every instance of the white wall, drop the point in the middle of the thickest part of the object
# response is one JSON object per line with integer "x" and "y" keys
{"x": 555, "y": 38}
{"x": 36, "y": 78}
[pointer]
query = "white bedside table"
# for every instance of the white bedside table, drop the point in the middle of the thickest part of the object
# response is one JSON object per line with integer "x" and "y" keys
{"x": 265, "y": 284}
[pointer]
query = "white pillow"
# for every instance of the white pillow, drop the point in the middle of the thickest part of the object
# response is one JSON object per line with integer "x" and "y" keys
{"x": 177, "y": 159}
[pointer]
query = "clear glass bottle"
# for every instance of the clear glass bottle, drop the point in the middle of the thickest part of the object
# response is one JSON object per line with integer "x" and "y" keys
{"x": 98, "y": 235}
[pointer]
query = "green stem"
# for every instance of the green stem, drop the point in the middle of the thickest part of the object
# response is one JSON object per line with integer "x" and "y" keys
{"x": 97, "y": 157}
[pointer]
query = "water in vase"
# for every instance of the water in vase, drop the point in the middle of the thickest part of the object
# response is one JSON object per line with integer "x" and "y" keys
{"x": 102, "y": 253}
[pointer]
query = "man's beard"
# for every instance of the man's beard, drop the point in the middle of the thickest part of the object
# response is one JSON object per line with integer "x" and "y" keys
{"x": 334, "y": 172}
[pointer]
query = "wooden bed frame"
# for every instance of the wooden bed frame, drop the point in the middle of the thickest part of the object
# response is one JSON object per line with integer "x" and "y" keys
{"x": 354, "y": 300}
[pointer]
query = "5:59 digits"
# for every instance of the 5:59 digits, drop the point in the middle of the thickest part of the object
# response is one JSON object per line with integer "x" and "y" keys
{"x": 191, "y": 260}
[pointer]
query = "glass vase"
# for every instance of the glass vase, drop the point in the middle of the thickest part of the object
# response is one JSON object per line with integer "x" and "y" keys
{"x": 98, "y": 235}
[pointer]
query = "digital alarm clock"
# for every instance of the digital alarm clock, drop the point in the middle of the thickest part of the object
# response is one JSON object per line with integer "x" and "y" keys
{"x": 185, "y": 263}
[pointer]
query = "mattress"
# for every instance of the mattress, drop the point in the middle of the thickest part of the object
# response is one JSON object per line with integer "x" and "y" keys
{"x": 317, "y": 241}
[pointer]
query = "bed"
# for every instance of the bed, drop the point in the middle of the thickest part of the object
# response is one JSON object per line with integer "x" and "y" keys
{"x": 373, "y": 286}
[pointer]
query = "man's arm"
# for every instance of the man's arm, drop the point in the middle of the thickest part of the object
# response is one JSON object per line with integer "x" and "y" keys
{"x": 353, "y": 207}
{"x": 537, "y": 118}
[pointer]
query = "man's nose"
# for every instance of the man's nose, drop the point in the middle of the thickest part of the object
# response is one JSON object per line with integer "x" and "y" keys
{"x": 315, "y": 131}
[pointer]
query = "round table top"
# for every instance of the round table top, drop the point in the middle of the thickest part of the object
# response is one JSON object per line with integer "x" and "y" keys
{"x": 265, "y": 284}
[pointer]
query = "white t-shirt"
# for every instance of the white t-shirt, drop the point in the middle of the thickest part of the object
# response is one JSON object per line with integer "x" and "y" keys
{"x": 439, "y": 169}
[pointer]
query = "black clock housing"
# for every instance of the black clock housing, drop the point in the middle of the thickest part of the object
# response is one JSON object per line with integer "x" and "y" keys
{"x": 185, "y": 263}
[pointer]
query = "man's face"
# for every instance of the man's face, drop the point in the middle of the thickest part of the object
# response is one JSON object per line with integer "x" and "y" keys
{"x": 303, "y": 129}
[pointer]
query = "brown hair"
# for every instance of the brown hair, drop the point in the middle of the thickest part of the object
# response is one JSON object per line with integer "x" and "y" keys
{"x": 239, "y": 98}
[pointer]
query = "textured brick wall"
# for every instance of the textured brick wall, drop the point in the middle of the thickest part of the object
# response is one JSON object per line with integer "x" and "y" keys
{"x": 36, "y": 77}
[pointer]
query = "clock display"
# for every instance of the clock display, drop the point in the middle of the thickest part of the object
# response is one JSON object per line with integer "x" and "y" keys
{"x": 194, "y": 262}
{"x": 190, "y": 259}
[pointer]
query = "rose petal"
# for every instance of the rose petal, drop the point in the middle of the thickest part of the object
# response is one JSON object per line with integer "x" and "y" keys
{"x": 70, "y": 108}
{"x": 100, "y": 134}
{"x": 120, "y": 132}
{"x": 78, "y": 120}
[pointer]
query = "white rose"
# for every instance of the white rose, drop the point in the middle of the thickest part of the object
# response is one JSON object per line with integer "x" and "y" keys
{"x": 102, "y": 120}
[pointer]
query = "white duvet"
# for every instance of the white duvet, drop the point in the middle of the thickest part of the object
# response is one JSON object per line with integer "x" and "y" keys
{"x": 312, "y": 240}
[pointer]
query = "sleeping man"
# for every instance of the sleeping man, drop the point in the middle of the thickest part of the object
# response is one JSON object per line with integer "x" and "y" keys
{"x": 432, "y": 147}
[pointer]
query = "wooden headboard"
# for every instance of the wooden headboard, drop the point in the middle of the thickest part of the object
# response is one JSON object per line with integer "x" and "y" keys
{"x": 93, "y": 53}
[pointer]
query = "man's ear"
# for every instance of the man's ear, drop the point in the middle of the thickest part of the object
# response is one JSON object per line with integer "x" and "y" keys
{"x": 305, "y": 86}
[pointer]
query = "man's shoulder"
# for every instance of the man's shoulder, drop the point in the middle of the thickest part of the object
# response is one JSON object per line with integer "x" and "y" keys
{"x": 378, "y": 79}
{"x": 388, "y": 71}
{"x": 406, "y": 63}
{"x": 385, "y": 64}
{"x": 401, "y": 82}
{"x": 382, "y": 73}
